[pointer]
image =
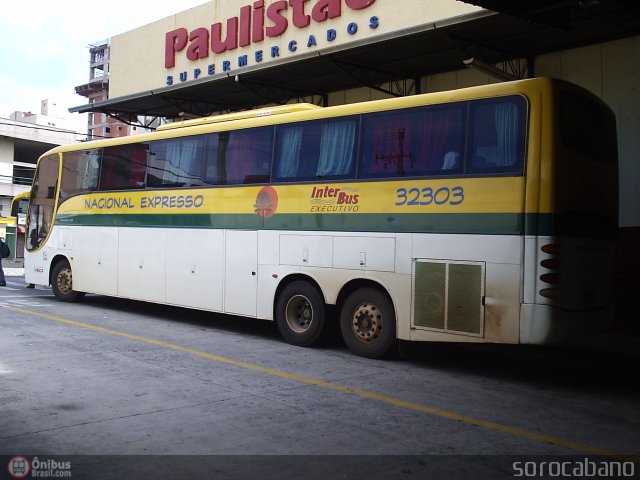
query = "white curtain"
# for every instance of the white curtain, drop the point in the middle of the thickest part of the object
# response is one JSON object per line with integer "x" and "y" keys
{"x": 336, "y": 148}
{"x": 88, "y": 171}
{"x": 181, "y": 160}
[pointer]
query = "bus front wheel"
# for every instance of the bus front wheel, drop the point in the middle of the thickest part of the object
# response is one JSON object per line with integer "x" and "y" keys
{"x": 300, "y": 314}
{"x": 62, "y": 283}
{"x": 368, "y": 323}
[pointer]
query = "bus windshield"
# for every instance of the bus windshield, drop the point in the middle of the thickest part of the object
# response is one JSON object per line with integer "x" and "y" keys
{"x": 42, "y": 202}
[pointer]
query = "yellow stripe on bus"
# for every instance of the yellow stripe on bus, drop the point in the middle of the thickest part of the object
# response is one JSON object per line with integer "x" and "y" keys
{"x": 486, "y": 195}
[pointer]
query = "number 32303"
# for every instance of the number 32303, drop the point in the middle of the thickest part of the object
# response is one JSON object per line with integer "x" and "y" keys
{"x": 429, "y": 196}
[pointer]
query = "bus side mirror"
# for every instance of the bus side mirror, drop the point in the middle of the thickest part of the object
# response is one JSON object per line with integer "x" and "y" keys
{"x": 19, "y": 206}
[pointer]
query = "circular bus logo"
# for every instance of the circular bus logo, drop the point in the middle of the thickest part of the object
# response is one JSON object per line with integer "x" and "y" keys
{"x": 266, "y": 202}
{"x": 19, "y": 467}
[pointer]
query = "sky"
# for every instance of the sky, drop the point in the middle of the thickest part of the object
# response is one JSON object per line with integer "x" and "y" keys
{"x": 44, "y": 44}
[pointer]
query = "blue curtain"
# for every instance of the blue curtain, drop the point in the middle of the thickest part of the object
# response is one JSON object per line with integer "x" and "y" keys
{"x": 336, "y": 148}
{"x": 506, "y": 116}
{"x": 289, "y": 152}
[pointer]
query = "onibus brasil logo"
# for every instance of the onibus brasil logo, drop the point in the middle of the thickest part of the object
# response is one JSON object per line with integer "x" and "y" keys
{"x": 21, "y": 467}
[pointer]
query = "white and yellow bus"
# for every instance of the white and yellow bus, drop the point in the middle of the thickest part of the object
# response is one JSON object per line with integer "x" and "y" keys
{"x": 485, "y": 214}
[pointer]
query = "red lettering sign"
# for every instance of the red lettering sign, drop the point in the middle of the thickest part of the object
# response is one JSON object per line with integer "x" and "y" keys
{"x": 175, "y": 41}
{"x": 252, "y": 25}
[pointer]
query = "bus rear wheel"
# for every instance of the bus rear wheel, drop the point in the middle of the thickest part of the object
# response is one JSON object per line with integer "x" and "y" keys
{"x": 368, "y": 323}
{"x": 62, "y": 283}
{"x": 300, "y": 314}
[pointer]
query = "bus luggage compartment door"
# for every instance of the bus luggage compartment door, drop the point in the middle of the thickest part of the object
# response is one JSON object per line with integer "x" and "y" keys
{"x": 241, "y": 272}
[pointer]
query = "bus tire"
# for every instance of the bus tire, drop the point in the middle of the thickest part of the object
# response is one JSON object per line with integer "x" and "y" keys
{"x": 368, "y": 323}
{"x": 62, "y": 283}
{"x": 300, "y": 314}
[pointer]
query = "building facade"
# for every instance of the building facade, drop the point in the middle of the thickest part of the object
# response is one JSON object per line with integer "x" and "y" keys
{"x": 230, "y": 55}
{"x": 102, "y": 125}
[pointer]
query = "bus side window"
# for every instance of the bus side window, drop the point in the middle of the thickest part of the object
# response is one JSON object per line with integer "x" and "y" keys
{"x": 248, "y": 155}
{"x": 438, "y": 140}
{"x": 412, "y": 142}
{"x": 497, "y": 136}
{"x": 312, "y": 150}
{"x": 123, "y": 167}
{"x": 386, "y": 145}
{"x": 177, "y": 162}
{"x": 80, "y": 173}
{"x": 296, "y": 152}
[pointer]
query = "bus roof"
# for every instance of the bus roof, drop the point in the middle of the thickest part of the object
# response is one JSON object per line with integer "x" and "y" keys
{"x": 305, "y": 111}
{"x": 261, "y": 112}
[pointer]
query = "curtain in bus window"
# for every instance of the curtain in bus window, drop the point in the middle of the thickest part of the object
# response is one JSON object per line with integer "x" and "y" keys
{"x": 90, "y": 174}
{"x": 506, "y": 117}
{"x": 80, "y": 172}
{"x": 115, "y": 168}
{"x": 123, "y": 167}
{"x": 248, "y": 157}
{"x": 183, "y": 165}
{"x": 497, "y": 136}
{"x": 107, "y": 173}
{"x": 289, "y": 145}
{"x": 439, "y": 135}
{"x": 387, "y": 145}
{"x": 238, "y": 152}
{"x": 336, "y": 148}
{"x": 393, "y": 145}
{"x": 212, "y": 173}
{"x": 138, "y": 166}
{"x": 216, "y": 155}
{"x": 483, "y": 150}
{"x": 176, "y": 162}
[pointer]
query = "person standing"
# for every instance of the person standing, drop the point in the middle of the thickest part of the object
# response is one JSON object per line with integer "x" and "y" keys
{"x": 4, "y": 253}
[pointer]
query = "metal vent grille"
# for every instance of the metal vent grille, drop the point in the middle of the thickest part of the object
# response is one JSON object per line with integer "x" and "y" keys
{"x": 429, "y": 303}
{"x": 448, "y": 296}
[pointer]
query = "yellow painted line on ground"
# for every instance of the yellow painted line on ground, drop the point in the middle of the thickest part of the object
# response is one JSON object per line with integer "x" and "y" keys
{"x": 416, "y": 407}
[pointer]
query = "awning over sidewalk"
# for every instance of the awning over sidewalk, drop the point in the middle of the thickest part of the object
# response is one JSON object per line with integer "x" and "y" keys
{"x": 521, "y": 30}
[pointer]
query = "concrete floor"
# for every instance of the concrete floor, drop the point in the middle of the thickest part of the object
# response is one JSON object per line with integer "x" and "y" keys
{"x": 121, "y": 388}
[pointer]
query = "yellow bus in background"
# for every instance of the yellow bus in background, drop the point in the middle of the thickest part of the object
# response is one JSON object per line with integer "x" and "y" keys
{"x": 486, "y": 214}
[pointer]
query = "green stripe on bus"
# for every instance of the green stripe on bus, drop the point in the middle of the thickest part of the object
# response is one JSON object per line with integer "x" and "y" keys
{"x": 460, "y": 223}
{"x": 492, "y": 223}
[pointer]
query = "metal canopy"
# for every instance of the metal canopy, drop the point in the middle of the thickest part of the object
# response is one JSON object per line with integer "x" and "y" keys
{"x": 393, "y": 64}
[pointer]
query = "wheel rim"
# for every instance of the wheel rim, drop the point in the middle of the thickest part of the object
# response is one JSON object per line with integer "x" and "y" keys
{"x": 63, "y": 281}
{"x": 299, "y": 313}
{"x": 367, "y": 322}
